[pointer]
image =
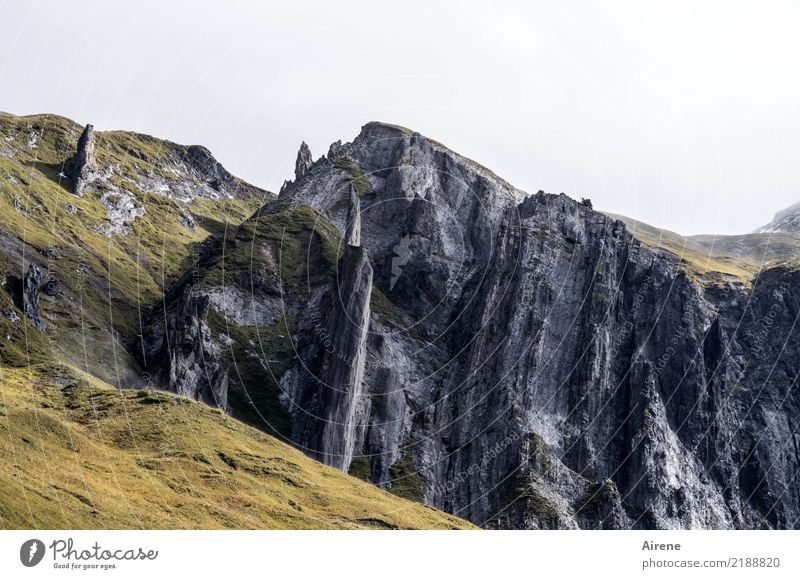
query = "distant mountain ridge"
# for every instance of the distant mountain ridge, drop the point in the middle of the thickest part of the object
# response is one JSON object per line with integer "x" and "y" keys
{"x": 786, "y": 220}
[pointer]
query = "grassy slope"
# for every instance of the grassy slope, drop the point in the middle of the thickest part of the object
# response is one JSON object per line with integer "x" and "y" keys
{"x": 105, "y": 282}
{"x": 760, "y": 249}
{"x": 697, "y": 258}
{"x": 79, "y": 454}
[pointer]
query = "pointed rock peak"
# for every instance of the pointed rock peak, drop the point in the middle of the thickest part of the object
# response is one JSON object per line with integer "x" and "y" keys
{"x": 86, "y": 142}
{"x": 83, "y": 164}
{"x": 303, "y": 162}
{"x": 335, "y": 149}
{"x": 352, "y": 235}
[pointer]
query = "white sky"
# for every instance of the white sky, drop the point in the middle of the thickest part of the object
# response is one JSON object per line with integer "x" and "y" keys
{"x": 682, "y": 114}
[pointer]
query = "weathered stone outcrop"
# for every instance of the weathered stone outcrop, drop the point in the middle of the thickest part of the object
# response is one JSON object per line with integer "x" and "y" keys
{"x": 787, "y": 221}
{"x": 303, "y": 161}
{"x": 218, "y": 181}
{"x": 122, "y": 209}
{"x": 83, "y": 165}
{"x": 182, "y": 354}
{"x": 30, "y": 296}
{"x": 327, "y": 397}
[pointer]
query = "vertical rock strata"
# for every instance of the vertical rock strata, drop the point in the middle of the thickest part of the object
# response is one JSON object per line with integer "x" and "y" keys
{"x": 521, "y": 360}
{"x": 538, "y": 367}
{"x": 303, "y": 161}
{"x": 328, "y": 395}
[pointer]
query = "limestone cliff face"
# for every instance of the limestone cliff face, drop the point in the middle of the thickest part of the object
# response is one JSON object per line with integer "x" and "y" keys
{"x": 538, "y": 367}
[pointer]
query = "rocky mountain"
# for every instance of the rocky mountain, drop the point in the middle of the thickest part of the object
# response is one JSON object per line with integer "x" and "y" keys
{"x": 543, "y": 367}
{"x": 786, "y": 221}
{"x": 98, "y": 230}
{"x": 109, "y": 220}
{"x": 401, "y": 313}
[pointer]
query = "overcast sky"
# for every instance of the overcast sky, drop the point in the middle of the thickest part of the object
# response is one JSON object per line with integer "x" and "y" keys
{"x": 682, "y": 114}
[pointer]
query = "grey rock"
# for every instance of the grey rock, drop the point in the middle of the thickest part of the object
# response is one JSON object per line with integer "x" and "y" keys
{"x": 82, "y": 167}
{"x": 335, "y": 150}
{"x": 122, "y": 208}
{"x": 183, "y": 355}
{"x": 352, "y": 235}
{"x": 192, "y": 172}
{"x": 11, "y": 316}
{"x": 51, "y": 253}
{"x": 303, "y": 161}
{"x": 531, "y": 364}
{"x": 330, "y": 397}
{"x": 30, "y": 296}
{"x": 248, "y": 308}
{"x": 187, "y": 220}
{"x": 545, "y": 369}
{"x": 203, "y": 162}
{"x": 785, "y": 221}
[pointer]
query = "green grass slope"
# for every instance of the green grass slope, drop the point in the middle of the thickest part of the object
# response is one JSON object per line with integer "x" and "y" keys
{"x": 710, "y": 256}
{"x": 104, "y": 283}
{"x": 77, "y": 453}
{"x": 699, "y": 259}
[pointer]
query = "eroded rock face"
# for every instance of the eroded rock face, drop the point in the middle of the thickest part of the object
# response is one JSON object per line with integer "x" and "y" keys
{"x": 786, "y": 220}
{"x": 83, "y": 165}
{"x": 30, "y": 296}
{"x": 303, "y": 161}
{"x": 518, "y": 360}
{"x": 540, "y": 368}
{"x": 328, "y": 395}
{"x": 122, "y": 209}
{"x": 183, "y": 355}
{"x": 201, "y": 163}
